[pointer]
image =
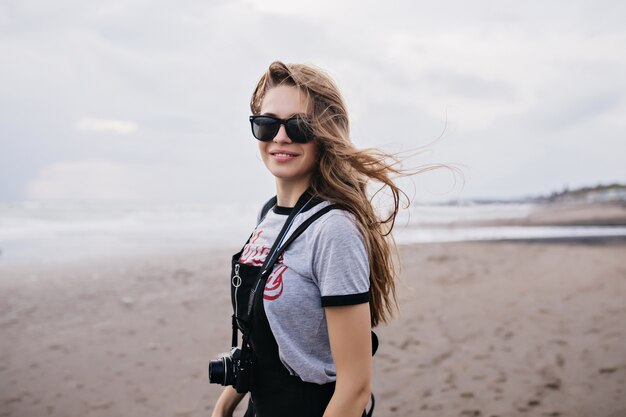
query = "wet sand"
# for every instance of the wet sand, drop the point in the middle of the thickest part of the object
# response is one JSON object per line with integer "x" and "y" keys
{"x": 485, "y": 329}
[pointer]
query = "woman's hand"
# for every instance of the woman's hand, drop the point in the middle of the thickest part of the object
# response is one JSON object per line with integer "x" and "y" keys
{"x": 349, "y": 331}
{"x": 226, "y": 404}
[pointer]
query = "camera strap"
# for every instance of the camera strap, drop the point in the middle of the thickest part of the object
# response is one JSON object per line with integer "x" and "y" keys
{"x": 273, "y": 254}
{"x": 268, "y": 267}
{"x": 276, "y": 251}
{"x": 306, "y": 199}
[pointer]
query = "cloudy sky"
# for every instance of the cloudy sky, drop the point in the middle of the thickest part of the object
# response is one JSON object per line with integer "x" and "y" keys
{"x": 148, "y": 100}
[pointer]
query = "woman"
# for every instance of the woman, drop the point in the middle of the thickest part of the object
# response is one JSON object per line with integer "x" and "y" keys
{"x": 312, "y": 338}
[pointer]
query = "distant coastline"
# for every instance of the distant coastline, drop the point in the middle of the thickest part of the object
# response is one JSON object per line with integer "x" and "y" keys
{"x": 609, "y": 193}
{"x": 553, "y": 214}
{"x": 59, "y": 232}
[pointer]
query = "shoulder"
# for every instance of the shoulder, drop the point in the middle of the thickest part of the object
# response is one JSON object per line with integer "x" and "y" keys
{"x": 340, "y": 259}
{"x": 336, "y": 228}
{"x": 338, "y": 221}
{"x": 264, "y": 209}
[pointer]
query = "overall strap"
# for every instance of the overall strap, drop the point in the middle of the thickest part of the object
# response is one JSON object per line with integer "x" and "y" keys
{"x": 263, "y": 277}
{"x": 270, "y": 261}
{"x": 303, "y": 227}
{"x": 307, "y": 199}
{"x": 268, "y": 267}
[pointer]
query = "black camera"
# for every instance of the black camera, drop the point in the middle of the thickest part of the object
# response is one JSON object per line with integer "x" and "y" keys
{"x": 232, "y": 370}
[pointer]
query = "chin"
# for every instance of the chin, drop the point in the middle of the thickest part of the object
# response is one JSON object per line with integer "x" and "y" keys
{"x": 284, "y": 175}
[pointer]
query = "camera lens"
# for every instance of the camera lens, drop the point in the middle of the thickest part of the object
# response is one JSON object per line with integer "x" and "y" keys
{"x": 217, "y": 371}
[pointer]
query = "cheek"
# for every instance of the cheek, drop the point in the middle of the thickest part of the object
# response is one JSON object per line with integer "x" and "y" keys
{"x": 262, "y": 148}
{"x": 263, "y": 151}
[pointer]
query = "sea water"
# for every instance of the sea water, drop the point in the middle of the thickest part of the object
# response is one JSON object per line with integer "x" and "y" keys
{"x": 59, "y": 232}
{"x": 51, "y": 232}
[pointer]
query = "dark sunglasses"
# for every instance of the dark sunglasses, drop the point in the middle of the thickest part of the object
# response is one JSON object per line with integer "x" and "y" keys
{"x": 265, "y": 128}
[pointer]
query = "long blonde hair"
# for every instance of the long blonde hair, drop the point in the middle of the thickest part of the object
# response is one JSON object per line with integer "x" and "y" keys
{"x": 343, "y": 172}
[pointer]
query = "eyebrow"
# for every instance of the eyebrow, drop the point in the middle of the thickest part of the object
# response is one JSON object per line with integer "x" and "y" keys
{"x": 292, "y": 115}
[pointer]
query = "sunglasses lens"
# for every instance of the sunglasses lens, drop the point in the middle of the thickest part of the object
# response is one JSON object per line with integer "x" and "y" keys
{"x": 298, "y": 131}
{"x": 264, "y": 128}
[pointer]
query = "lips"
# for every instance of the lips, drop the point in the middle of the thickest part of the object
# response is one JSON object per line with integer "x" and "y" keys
{"x": 283, "y": 152}
{"x": 282, "y": 156}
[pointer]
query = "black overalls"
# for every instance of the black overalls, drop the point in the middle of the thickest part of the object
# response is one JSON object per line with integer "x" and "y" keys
{"x": 274, "y": 392}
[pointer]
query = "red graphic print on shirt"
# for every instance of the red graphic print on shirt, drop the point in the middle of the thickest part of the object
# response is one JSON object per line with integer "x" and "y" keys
{"x": 254, "y": 253}
{"x": 274, "y": 284}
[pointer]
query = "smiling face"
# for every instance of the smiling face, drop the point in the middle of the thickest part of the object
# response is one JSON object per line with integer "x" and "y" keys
{"x": 289, "y": 162}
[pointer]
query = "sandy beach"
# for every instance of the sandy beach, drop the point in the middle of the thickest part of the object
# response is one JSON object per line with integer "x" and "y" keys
{"x": 485, "y": 329}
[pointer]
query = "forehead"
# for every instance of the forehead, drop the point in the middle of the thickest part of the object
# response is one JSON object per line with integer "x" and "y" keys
{"x": 284, "y": 101}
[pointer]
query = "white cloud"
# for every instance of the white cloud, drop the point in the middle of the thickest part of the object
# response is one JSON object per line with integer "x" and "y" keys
{"x": 524, "y": 86}
{"x": 85, "y": 180}
{"x": 106, "y": 125}
{"x": 158, "y": 181}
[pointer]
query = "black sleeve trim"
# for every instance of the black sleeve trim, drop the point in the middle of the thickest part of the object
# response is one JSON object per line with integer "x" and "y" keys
{"x": 345, "y": 300}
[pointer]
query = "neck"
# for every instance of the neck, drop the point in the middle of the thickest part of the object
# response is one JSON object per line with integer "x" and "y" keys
{"x": 288, "y": 192}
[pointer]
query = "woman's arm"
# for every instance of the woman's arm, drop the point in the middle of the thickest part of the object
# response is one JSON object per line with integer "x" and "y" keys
{"x": 349, "y": 330}
{"x": 226, "y": 404}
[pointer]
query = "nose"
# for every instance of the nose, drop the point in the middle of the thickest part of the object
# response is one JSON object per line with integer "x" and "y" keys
{"x": 281, "y": 136}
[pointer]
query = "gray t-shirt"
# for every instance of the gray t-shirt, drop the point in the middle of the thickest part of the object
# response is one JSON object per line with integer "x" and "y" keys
{"x": 325, "y": 266}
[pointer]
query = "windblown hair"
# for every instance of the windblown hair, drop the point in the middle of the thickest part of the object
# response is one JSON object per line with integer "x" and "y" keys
{"x": 343, "y": 172}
